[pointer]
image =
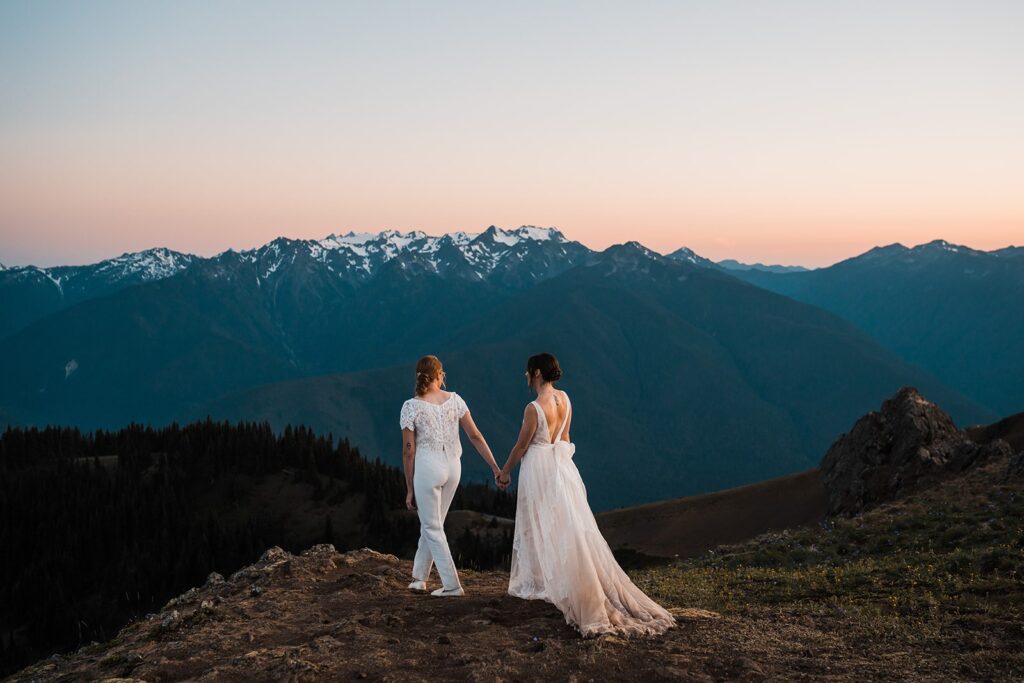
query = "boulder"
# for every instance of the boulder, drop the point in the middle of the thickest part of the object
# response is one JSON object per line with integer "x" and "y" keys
{"x": 909, "y": 442}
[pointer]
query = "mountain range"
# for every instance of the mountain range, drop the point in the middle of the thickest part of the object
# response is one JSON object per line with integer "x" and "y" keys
{"x": 956, "y": 311}
{"x": 685, "y": 378}
{"x": 30, "y": 293}
{"x": 732, "y": 264}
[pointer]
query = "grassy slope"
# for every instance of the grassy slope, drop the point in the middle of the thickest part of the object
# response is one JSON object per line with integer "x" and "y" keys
{"x": 1009, "y": 429}
{"x": 687, "y": 527}
{"x": 932, "y": 585}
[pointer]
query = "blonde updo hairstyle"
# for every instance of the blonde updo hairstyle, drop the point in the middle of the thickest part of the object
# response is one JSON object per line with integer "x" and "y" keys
{"x": 428, "y": 369}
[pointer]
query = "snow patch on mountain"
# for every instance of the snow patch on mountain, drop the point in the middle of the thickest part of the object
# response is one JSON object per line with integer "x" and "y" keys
{"x": 333, "y": 241}
{"x": 503, "y": 237}
{"x": 54, "y": 279}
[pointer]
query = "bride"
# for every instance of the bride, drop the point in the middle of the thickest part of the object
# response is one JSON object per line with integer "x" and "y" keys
{"x": 558, "y": 553}
{"x": 432, "y": 452}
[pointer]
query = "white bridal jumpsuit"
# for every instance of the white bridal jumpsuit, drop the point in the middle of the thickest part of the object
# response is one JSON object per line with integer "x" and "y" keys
{"x": 435, "y": 478}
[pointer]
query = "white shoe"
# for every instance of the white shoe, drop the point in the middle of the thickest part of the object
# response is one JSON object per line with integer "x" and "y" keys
{"x": 451, "y": 593}
{"x": 420, "y": 586}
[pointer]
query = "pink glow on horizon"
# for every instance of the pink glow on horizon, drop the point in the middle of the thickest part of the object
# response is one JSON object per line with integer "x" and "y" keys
{"x": 795, "y": 133}
{"x": 62, "y": 214}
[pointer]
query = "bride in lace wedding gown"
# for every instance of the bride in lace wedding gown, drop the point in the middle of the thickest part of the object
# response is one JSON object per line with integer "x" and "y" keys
{"x": 558, "y": 552}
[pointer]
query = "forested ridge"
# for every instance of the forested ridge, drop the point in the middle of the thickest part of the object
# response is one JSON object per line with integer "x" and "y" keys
{"x": 100, "y": 528}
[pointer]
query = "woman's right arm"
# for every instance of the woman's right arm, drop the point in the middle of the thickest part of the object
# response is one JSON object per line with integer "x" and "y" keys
{"x": 409, "y": 461}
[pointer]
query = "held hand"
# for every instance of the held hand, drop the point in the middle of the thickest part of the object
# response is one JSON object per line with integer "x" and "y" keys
{"x": 410, "y": 501}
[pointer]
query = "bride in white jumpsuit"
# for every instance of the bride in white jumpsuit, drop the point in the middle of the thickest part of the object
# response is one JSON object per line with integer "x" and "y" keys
{"x": 431, "y": 453}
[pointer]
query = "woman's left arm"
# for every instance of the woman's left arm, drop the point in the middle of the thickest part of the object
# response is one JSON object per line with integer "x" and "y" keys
{"x": 409, "y": 461}
{"x": 530, "y": 423}
{"x": 476, "y": 438}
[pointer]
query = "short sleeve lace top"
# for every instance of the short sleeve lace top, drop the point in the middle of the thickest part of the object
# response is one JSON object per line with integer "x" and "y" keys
{"x": 436, "y": 424}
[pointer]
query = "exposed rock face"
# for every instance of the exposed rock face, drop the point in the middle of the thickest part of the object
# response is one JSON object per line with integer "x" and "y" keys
{"x": 909, "y": 442}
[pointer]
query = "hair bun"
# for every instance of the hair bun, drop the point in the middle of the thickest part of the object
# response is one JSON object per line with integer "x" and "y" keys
{"x": 547, "y": 364}
{"x": 428, "y": 369}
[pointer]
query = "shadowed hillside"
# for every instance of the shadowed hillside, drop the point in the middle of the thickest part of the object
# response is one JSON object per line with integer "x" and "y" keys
{"x": 691, "y": 526}
{"x": 683, "y": 379}
{"x": 955, "y": 310}
{"x": 1009, "y": 429}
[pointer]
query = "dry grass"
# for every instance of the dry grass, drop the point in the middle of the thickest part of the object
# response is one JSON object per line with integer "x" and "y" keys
{"x": 938, "y": 577}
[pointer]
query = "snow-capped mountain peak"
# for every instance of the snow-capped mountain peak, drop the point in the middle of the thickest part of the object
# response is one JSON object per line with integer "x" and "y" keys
{"x": 688, "y": 255}
{"x": 152, "y": 264}
{"x": 74, "y": 283}
{"x": 942, "y": 245}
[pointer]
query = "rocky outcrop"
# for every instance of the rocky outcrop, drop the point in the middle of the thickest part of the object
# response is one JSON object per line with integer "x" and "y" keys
{"x": 908, "y": 443}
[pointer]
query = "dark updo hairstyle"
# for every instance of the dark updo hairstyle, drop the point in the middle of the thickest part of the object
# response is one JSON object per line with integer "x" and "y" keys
{"x": 428, "y": 369}
{"x": 550, "y": 371}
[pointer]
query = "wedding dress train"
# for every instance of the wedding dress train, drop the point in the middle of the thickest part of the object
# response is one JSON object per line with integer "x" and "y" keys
{"x": 558, "y": 552}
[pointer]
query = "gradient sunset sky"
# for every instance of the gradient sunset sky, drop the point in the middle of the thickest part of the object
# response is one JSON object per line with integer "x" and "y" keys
{"x": 792, "y": 132}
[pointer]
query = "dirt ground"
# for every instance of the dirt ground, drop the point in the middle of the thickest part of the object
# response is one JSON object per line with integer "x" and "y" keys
{"x": 324, "y": 615}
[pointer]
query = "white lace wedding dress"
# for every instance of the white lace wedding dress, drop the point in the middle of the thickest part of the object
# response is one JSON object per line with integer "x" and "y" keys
{"x": 558, "y": 552}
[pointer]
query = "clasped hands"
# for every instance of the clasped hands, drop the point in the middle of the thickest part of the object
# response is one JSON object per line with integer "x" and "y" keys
{"x": 502, "y": 479}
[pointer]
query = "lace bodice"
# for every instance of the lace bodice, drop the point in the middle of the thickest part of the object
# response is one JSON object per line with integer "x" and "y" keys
{"x": 436, "y": 424}
{"x": 542, "y": 436}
